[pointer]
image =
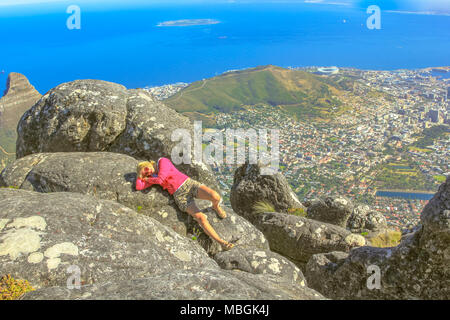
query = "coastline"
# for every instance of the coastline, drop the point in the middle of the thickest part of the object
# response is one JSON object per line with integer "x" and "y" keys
{"x": 182, "y": 80}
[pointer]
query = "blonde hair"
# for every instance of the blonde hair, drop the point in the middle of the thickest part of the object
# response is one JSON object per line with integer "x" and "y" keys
{"x": 144, "y": 164}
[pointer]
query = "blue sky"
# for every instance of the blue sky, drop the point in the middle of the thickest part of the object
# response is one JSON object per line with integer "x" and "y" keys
{"x": 437, "y": 6}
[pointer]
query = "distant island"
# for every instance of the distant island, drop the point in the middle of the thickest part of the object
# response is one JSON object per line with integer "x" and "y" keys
{"x": 188, "y": 23}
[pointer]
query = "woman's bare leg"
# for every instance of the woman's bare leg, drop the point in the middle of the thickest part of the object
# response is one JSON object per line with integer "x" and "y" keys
{"x": 206, "y": 193}
{"x": 202, "y": 220}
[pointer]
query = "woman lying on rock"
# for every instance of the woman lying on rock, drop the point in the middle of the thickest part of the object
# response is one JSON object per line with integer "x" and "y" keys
{"x": 184, "y": 190}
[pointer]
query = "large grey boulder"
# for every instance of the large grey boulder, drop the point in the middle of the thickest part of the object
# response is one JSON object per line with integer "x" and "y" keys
{"x": 93, "y": 115}
{"x": 250, "y": 187}
{"x": 195, "y": 284}
{"x": 259, "y": 261}
{"x": 364, "y": 219}
{"x": 111, "y": 176}
{"x": 42, "y": 235}
{"x": 298, "y": 238}
{"x": 418, "y": 268}
{"x": 334, "y": 210}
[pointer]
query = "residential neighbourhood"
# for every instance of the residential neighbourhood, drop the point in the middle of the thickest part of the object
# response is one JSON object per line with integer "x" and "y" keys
{"x": 356, "y": 153}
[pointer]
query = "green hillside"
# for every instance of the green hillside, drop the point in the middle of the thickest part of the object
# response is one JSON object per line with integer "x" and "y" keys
{"x": 430, "y": 135}
{"x": 303, "y": 94}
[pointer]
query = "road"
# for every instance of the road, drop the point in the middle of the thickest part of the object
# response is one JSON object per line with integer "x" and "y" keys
{"x": 182, "y": 92}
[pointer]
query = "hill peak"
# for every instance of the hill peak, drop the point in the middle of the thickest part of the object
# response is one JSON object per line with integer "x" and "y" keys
{"x": 303, "y": 94}
{"x": 17, "y": 83}
{"x": 19, "y": 96}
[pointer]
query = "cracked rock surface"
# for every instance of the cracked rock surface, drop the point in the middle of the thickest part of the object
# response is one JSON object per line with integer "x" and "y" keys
{"x": 42, "y": 234}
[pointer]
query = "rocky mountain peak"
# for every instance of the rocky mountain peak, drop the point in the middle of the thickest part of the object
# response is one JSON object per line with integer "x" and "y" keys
{"x": 20, "y": 95}
{"x": 18, "y": 85}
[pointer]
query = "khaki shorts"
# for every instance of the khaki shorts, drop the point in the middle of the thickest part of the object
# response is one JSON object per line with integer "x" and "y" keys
{"x": 184, "y": 196}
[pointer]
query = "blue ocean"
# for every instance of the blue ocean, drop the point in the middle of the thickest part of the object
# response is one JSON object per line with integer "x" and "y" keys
{"x": 123, "y": 43}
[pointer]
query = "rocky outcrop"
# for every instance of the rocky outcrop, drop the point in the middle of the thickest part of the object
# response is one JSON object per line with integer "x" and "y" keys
{"x": 418, "y": 268}
{"x": 250, "y": 187}
{"x": 111, "y": 176}
{"x": 105, "y": 175}
{"x": 93, "y": 115}
{"x": 299, "y": 238}
{"x": 259, "y": 261}
{"x": 195, "y": 284}
{"x": 51, "y": 239}
{"x": 292, "y": 236}
{"x": 365, "y": 219}
{"x": 18, "y": 97}
{"x": 42, "y": 235}
{"x": 334, "y": 210}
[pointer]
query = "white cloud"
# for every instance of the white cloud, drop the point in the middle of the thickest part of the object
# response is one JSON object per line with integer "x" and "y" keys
{"x": 21, "y": 2}
{"x": 432, "y": 13}
{"x": 337, "y": 3}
